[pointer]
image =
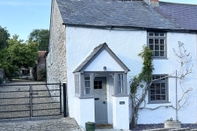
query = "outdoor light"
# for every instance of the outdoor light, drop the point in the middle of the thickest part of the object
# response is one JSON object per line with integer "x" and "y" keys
{"x": 104, "y": 68}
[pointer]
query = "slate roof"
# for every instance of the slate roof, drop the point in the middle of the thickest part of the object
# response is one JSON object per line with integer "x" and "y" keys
{"x": 117, "y": 13}
{"x": 93, "y": 55}
{"x": 182, "y": 15}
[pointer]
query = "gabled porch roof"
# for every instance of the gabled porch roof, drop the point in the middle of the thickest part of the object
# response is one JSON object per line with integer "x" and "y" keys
{"x": 97, "y": 50}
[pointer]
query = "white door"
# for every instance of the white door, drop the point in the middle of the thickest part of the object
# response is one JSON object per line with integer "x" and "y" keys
{"x": 100, "y": 98}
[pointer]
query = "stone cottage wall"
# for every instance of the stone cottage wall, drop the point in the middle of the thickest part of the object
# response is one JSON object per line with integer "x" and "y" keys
{"x": 56, "y": 58}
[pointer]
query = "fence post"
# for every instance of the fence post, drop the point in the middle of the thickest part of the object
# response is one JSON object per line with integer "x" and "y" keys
{"x": 64, "y": 99}
{"x": 60, "y": 89}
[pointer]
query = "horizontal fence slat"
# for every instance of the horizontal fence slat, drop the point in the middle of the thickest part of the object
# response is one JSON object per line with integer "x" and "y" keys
{"x": 14, "y": 104}
{"x": 14, "y": 97}
{"x": 46, "y": 109}
{"x": 13, "y": 111}
{"x": 45, "y": 103}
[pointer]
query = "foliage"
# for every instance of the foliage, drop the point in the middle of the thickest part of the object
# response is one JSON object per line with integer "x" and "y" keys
{"x": 17, "y": 55}
{"x": 4, "y": 36}
{"x": 146, "y": 74}
{"x": 41, "y": 36}
{"x": 42, "y": 74}
{"x": 144, "y": 78}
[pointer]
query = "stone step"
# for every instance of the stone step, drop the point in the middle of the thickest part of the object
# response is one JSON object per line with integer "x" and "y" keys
{"x": 180, "y": 129}
{"x": 167, "y": 129}
{"x": 157, "y": 129}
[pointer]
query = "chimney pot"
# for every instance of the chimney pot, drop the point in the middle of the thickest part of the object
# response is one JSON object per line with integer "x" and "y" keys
{"x": 152, "y": 2}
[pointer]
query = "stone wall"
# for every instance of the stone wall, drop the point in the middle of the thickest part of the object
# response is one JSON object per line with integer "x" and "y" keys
{"x": 56, "y": 58}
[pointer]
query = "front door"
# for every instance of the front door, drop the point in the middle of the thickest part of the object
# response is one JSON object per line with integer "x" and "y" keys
{"x": 100, "y": 98}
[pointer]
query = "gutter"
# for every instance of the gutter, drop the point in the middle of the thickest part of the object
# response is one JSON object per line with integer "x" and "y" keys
{"x": 116, "y": 27}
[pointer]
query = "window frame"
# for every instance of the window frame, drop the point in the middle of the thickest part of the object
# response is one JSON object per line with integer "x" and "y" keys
{"x": 159, "y": 37}
{"x": 124, "y": 84}
{"x": 77, "y": 85}
{"x": 166, "y": 81}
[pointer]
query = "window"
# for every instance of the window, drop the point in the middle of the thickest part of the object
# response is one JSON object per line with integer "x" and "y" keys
{"x": 97, "y": 84}
{"x": 157, "y": 43}
{"x": 77, "y": 83}
{"x": 86, "y": 84}
{"x": 120, "y": 88}
{"x": 158, "y": 91}
{"x": 120, "y": 84}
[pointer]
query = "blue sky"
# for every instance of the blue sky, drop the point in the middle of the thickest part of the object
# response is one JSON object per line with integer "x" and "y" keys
{"x": 22, "y": 16}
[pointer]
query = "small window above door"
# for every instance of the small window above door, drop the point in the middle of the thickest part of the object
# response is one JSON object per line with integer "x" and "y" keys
{"x": 97, "y": 84}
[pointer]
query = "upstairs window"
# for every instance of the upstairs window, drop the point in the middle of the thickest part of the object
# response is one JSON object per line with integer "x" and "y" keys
{"x": 157, "y": 43}
{"x": 158, "y": 92}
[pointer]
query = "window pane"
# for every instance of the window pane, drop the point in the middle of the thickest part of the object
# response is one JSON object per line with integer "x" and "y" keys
{"x": 162, "y": 34}
{"x": 87, "y": 83}
{"x": 87, "y": 78}
{"x": 156, "y": 47}
{"x": 156, "y": 34}
{"x": 87, "y": 90}
{"x": 150, "y": 41}
{"x": 119, "y": 90}
{"x": 161, "y": 47}
{"x": 151, "y": 34}
{"x": 162, "y": 53}
{"x": 151, "y": 47}
{"x": 156, "y": 53}
{"x": 162, "y": 41}
{"x": 156, "y": 41}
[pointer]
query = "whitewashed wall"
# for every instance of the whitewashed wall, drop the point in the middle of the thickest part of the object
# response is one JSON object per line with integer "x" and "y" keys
{"x": 127, "y": 45}
{"x": 81, "y": 42}
{"x": 188, "y": 114}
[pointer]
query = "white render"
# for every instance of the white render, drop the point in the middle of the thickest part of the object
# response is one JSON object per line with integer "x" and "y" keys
{"x": 70, "y": 47}
{"x": 127, "y": 45}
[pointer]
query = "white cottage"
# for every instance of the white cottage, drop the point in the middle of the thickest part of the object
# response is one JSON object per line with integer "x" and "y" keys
{"x": 94, "y": 47}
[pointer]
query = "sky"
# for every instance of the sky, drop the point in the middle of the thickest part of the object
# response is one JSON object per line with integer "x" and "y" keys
{"x": 21, "y": 17}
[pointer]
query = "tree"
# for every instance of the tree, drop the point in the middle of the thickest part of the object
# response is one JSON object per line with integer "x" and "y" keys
{"x": 143, "y": 80}
{"x": 41, "y": 36}
{"x": 4, "y": 36}
{"x": 18, "y": 55}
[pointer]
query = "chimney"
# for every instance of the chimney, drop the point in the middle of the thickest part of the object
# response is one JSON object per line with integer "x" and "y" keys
{"x": 152, "y": 2}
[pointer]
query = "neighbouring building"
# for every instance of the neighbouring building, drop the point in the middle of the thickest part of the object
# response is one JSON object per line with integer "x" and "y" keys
{"x": 94, "y": 47}
{"x": 40, "y": 65}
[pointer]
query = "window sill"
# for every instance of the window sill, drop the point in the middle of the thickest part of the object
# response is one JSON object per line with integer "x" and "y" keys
{"x": 84, "y": 97}
{"x": 160, "y": 58}
{"x": 159, "y": 102}
{"x": 120, "y": 95}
